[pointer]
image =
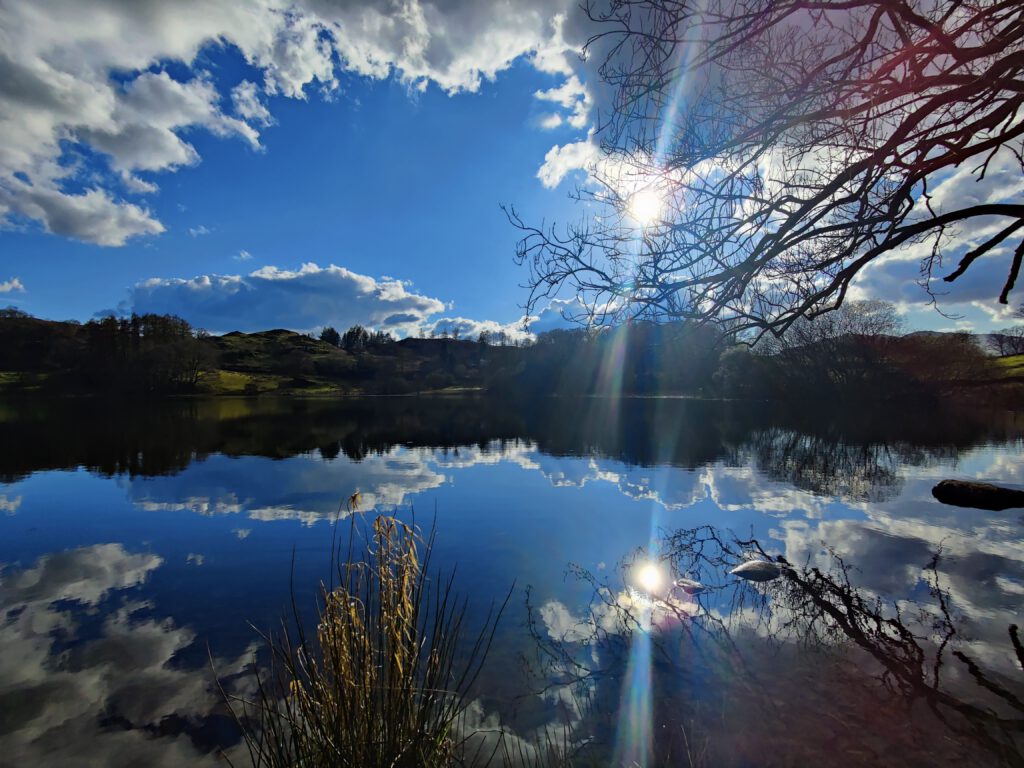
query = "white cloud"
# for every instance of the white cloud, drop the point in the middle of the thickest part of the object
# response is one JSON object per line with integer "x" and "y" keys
{"x": 549, "y": 122}
{"x": 456, "y": 45}
{"x": 897, "y": 276}
{"x": 91, "y": 77}
{"x": 14, "y": 285}
{"x": 199, "y": 231}
{"x": 571, "y": 95}
{"x": 148, "y": 114}
{"x": 302, "y": 300}
{"x": 93, "y": 216}
{"x": 245, "y": 97}
{"x": 563, "y": 159}
{"x": 557, "y": 314}
{"x": 471, "y": 329}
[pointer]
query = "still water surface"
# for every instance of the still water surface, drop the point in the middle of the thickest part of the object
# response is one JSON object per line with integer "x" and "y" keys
{"x": 135, "y": 543}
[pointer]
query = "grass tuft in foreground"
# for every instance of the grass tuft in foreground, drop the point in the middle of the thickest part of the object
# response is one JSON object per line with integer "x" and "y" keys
{"x": 385, "y": 679}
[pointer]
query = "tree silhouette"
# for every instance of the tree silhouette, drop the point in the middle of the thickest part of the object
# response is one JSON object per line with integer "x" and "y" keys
{"x": 356, "y": 339}
{"x": 331, "y": 336}
{"x": 788, "y": 144}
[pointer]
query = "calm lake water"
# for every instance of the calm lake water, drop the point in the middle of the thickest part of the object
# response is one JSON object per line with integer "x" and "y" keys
{"x": 138, "y": 542}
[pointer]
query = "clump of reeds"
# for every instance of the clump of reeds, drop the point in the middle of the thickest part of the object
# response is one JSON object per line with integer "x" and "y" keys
{"x": 384, "y": 680}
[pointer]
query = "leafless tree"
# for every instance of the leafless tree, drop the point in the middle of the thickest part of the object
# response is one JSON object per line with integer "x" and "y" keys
{"x": 787, "y": 144}
{"x": 866, "y": 319}
{"x": 843, "y": 348}
{"x": 1008, "y": 341}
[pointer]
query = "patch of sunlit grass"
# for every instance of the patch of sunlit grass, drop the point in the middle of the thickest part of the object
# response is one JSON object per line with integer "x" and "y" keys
{"x": 1011, "y": 365}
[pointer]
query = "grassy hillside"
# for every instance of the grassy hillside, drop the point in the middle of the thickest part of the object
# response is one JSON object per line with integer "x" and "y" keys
{"x": 275, "y": 361}
{"x": 155, "y": 355}
{"x": 1011, "y": 366}
{"x": 44, "y": 355}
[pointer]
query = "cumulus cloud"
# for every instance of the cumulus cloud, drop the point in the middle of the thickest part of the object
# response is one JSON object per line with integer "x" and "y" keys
{"x": 563, "y": 159}
{"x": 245, "y": 97}
{"x": 306, "y": 299}
{"x": 551, "y": 121}
{"x": 465, "y": 328}
{"x": 199, "y": 231}
{"x": 93, "y": 216}
{"x": 897, "y": 276}
{"x": 557, "y": 314}
{"x": 455, "y": 45}
{"x": 147, "y": 115}
{"x": 80, "y": 80}
{"x": 572, "y": 95}
{"x": 14, "y": 285}
{"x": 302, "y": 299}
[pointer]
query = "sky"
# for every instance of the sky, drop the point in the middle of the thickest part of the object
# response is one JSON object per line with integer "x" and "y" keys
{"x": 262, "y": 164}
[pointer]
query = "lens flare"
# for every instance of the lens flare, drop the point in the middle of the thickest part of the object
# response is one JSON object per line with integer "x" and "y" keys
{"x": 634, "y": 736}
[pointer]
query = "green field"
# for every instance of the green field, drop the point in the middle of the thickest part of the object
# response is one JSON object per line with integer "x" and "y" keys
{"x": 21, "y": 380}
{"x": 224, "y": 382}
{"x": 1011, "y": 365}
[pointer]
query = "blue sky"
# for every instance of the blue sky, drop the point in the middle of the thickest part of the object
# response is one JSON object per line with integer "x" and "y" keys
{"x": 378, "y": 180}
{"x": 258, "y": 164}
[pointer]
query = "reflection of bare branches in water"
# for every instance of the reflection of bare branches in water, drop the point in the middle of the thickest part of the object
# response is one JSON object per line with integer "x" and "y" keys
{"x": 826, "y": 607}
{"x": 826, "y": 465}
{"x": 806, "y": 669}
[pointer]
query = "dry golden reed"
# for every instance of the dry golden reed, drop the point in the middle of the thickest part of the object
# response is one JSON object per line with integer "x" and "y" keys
{"x": 384, "y": 681}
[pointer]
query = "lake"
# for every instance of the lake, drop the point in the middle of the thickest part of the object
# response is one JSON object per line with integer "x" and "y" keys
{"x": 139, "y": 542}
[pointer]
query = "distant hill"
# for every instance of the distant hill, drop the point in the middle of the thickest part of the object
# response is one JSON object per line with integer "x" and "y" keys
{"x": 71, "y": 357}
{"x": 157, "y": 355}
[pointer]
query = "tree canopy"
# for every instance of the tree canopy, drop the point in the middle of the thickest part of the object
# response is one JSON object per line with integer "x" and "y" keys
{"x": 331, "y": 336}
{"x": 756, "y": 156}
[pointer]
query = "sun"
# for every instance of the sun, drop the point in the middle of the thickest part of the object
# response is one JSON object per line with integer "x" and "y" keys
{"x": 645, "y": 206}
{"x": 649, "y": 578}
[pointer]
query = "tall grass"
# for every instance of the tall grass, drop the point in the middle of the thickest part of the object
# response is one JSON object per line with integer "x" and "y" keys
{"x": 384, "y": 682}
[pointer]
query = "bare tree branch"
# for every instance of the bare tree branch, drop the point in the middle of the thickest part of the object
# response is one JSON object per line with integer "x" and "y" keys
{"x": 792, "y": 143}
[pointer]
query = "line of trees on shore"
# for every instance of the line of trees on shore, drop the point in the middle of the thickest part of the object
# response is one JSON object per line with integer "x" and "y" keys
{"x": 357, "y": 338}
{"x": 856, "y": 352}
{"x": 148, "y": 353}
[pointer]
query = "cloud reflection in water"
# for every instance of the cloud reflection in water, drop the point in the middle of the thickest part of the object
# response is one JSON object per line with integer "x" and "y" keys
{"x": 66, "y": 682}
